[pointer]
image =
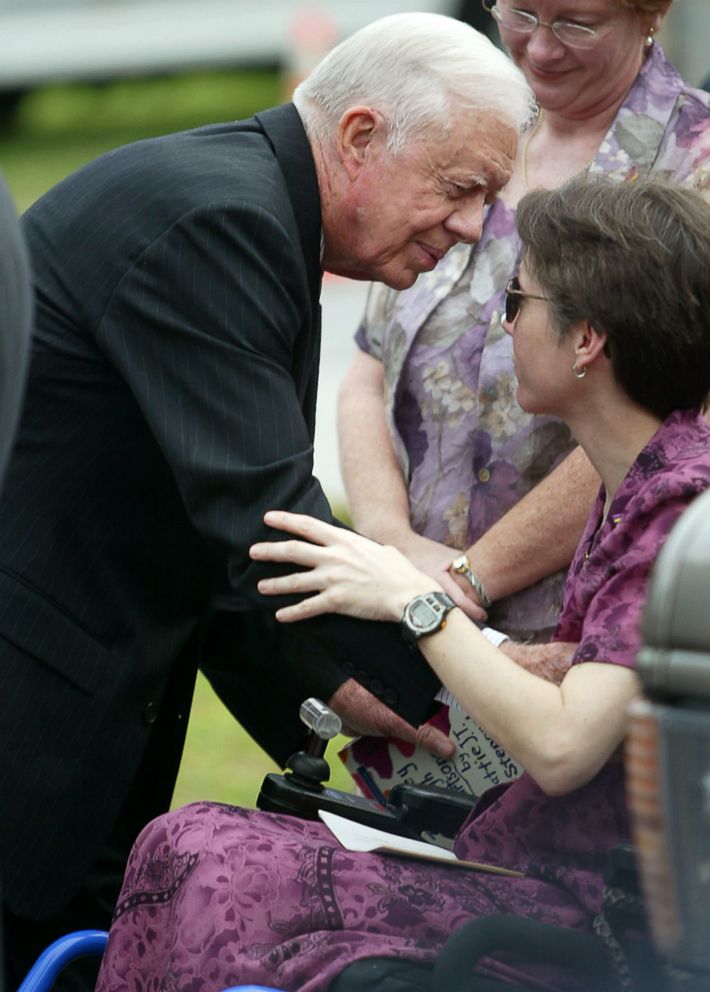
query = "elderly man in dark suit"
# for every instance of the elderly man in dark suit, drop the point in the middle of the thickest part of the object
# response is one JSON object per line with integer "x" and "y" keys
{"x": 171, "y": 401}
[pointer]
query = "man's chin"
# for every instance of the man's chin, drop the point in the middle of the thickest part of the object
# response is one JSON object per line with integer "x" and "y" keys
{"x": 400, "y": 280}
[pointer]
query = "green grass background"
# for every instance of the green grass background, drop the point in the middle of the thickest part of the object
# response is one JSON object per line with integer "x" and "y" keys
{"x": 54, "y": 131}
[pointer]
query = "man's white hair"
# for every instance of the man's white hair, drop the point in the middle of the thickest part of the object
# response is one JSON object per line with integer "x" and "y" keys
{"x": 418, "y": 70}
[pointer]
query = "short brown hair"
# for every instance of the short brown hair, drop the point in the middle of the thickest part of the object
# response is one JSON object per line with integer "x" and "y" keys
{"x": 646, "y": 6}
{"x": 633, "y": 259}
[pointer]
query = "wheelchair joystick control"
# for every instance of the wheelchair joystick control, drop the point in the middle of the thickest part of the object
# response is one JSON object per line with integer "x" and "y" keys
{"x": 308, "y": 768}
{"x": 323, "y": 723}
{"x": 300, "y": 790}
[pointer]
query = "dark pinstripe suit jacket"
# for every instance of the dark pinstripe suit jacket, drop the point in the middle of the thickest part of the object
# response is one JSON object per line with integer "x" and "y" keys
{"x": 171, "y": 401}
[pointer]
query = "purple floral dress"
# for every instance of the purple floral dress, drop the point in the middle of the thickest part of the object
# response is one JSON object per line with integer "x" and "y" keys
{"x": 215, "y": 896}
{"x": 466, "y": 449}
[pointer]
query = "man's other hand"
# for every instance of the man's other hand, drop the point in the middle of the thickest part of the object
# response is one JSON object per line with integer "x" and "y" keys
{"x": 364, "y": 714}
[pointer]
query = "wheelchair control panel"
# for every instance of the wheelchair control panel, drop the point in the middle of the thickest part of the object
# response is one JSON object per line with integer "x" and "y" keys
{"x": 301, "y": 790}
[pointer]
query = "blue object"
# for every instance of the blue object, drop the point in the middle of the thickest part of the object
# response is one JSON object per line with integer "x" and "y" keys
{"x": 44, "y": 971}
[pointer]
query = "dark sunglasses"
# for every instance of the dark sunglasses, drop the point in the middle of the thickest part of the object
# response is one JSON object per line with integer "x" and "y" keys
{"x": 514, "y": 297}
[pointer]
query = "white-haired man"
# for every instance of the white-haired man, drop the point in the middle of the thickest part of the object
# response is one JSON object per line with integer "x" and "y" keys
{"x": 171, "y": 401}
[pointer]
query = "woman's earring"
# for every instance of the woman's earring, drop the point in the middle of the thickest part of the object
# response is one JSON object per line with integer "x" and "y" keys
{"x": 649, "y": 38}
{"x": 577, "y": 373}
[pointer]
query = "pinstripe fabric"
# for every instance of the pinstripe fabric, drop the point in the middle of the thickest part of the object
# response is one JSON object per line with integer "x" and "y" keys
{"x": 171, "y": 400}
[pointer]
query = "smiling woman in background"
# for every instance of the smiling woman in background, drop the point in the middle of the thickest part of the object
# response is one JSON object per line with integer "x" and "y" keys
{"x": 608, "y": 319}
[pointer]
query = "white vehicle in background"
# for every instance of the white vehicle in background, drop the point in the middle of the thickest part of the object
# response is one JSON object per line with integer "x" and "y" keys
{"x": 43, "y": 41}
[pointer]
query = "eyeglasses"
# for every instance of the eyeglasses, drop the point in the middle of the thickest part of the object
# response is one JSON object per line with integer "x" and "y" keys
{"x": 514, "y": 297}
{"x": 568, "y": 32}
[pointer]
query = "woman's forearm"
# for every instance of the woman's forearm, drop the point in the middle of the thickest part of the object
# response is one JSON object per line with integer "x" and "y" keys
{"x": 376, "y": 490}
{"x": 539, "y": 534}
{"x": 561, "y": 734}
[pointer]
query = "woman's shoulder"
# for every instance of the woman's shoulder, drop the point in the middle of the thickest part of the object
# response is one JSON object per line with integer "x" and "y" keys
{"x": 671, "y": 470}
{"x": 686, "y": 144}
{"x": 664, "y": 124}
{"x": 681, "y": 444}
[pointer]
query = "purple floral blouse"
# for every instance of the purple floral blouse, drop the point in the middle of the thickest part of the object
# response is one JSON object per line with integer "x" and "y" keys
{"x": 466, "y": 449}
{"x": 605, "y": 593}
{"x": 216, "y": 896}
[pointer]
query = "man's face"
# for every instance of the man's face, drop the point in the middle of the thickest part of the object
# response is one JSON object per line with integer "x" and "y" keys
{"x": 401, "y": 213}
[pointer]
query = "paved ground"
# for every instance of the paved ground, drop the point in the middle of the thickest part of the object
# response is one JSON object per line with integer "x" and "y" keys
{"x": 343, "y": 302}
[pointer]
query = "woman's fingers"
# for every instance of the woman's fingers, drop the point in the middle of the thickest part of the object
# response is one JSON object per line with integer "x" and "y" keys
{"x": 313, "y": 606}
{"x": 287, "y": 585}
{"x": 301, "y": 525}
{"x": 351, "y": 574}
{"x": 295, "y": 552}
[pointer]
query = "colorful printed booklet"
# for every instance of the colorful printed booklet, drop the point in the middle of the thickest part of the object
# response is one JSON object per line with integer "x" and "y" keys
{"x": 378, "y": 764}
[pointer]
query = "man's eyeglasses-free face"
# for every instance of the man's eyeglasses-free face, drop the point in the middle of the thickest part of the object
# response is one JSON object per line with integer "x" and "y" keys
{"x": 514, "y": 297}
{"x": 568, "y": 32}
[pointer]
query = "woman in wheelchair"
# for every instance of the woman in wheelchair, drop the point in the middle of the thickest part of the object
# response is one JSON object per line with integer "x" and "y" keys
{"x": 608, "y": 318}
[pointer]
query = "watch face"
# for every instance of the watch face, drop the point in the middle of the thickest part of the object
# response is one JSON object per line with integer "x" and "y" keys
{"x": 425, "y": 614}
{"x": 422, "y": 615}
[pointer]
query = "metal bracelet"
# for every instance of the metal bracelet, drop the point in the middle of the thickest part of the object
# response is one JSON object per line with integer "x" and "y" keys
{"x": 462, "y": 566}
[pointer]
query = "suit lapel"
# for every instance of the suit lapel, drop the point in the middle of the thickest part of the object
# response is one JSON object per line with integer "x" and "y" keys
{"x": 283, "y": 128}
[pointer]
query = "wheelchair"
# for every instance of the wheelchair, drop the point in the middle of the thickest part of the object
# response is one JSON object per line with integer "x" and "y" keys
{"x": 602, "y": 965}
{"x": 73, "y": 946}
{"x": 371, "y": 974}
{"x": 668, "y": 767}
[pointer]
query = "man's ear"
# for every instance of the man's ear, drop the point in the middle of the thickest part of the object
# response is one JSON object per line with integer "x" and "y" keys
{"x": 359, "y": 129}
{"x": 588, "y": 344}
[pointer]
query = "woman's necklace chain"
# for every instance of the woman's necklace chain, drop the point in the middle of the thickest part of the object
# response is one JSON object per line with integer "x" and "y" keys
{"x": 524, "y": 159}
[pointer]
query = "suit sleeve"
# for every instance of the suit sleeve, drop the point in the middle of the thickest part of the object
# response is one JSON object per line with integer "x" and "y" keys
{"x": 205, "y": 327}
